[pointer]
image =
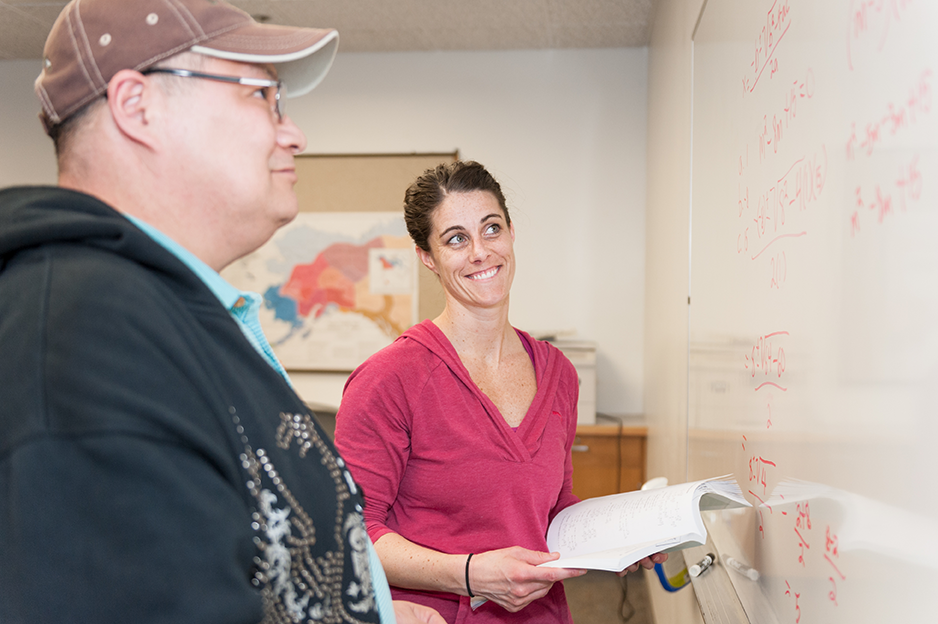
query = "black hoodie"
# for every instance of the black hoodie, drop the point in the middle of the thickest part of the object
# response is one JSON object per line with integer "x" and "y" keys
{"x": 153, "y": 466}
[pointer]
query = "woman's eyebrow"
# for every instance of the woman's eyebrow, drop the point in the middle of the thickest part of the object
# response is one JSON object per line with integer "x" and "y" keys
{"x": 452, "y": 228}
{"x": 493, "y": 215}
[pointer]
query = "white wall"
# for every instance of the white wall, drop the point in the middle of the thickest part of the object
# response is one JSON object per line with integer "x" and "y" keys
{"x": 26, "y": 154}
{"x": 564, "y": 131}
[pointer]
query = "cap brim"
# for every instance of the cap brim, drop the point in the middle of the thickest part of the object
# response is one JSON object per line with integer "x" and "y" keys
{"x": 302, "y": 56}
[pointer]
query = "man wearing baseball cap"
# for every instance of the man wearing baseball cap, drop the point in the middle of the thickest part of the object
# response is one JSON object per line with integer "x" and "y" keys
{"x": 155, "y": 462}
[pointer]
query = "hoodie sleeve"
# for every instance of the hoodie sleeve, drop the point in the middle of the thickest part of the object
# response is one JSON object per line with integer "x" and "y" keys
{"x": 373, "y": 428}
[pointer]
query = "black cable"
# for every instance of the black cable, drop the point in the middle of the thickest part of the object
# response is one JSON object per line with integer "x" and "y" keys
{"x": 626, "y": 609}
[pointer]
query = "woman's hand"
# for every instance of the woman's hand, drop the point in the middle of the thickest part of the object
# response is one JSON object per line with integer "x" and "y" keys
{"x": 509, "y": 576}
{"x": 648, "y": 563}
{"x": 412, "y": 613}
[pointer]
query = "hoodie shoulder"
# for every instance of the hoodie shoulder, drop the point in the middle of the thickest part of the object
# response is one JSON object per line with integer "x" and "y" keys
{"x": 53, "y": 218}
{"x": 35, "y": 215}
{"x": 409, "y": 361}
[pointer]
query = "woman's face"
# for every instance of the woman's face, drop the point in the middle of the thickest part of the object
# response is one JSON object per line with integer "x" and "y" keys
{"x": 471, "y": 250}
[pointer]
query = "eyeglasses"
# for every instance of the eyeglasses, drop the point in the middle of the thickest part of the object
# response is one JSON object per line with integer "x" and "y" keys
{"x": 274, "y": 91}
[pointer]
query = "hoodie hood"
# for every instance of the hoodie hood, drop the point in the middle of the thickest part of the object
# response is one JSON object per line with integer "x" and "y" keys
{"x": 546, "y": 356}
{"x": 31, "y": 216}
{"x": 550, "y": 367}
{"x": 43, "y": 215}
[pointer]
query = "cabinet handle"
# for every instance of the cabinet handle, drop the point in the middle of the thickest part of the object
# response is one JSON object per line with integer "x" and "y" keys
{"x": 580, "y": 448}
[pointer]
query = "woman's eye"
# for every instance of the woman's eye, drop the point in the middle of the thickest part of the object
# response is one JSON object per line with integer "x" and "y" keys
{"x": 494, "y": 228}
{"x": 261, "y": 93}
{"x": 456, "y": 240}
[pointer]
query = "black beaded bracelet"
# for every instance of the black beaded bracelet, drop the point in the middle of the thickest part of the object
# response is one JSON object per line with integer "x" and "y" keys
{"x": 468, "y": 559}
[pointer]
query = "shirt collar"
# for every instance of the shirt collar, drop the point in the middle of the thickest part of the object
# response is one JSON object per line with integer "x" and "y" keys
{"x": 228, "y": 295}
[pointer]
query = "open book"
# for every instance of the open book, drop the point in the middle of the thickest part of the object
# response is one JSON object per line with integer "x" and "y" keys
{"x": 613, "y": 532}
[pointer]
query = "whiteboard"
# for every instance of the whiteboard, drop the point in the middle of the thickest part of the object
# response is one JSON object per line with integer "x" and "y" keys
{"x": 813, "y": 338}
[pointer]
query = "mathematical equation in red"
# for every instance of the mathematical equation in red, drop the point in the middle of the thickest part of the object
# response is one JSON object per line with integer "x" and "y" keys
{"x": 767, "y": 360}
{"x": 869, "y": 25}
{"x": 831, "y": 557}
{"x": 899, "y": 115}
{"x": 771, "y": 132}
{"x": 802, "y": 526}
{"x": 759, "y": 468}
{"x": 883, "y": 200}
{"x": 771, "y": 221}
{"x": 777, "y": 22}
{"x": 796, "y": 596}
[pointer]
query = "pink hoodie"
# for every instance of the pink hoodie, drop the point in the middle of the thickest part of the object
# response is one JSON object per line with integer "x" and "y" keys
{"x": 439, "y": 465}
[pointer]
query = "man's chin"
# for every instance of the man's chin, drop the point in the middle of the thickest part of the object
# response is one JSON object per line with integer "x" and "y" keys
{"x": 284, "y": 211}
{"x": 287, "y": 219}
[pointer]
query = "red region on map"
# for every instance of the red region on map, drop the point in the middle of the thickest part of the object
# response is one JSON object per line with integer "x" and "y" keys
{"x": 330, "y": 278}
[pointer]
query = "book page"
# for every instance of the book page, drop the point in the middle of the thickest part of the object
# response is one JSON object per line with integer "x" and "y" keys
{"x": 639, "y": 517}
{"x": 612, "y": 560}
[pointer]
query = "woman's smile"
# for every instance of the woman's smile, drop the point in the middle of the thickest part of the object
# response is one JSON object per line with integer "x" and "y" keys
{"x": 485, "y": 274}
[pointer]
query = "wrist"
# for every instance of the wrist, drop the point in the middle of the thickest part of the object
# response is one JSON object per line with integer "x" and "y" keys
{"x": 468, "y": 584}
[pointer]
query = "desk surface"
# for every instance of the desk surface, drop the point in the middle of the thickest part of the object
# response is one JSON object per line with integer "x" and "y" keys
{"x": 612, "y": 430}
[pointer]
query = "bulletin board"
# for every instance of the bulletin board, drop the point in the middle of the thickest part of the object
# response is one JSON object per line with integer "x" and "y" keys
{"x": 342, "y": 280}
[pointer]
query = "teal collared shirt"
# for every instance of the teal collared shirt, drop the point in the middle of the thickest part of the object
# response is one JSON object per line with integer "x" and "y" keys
{"x": 244, "y": 306}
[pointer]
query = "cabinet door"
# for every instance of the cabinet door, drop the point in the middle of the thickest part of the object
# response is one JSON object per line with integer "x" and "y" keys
{"x": 595, "y": 465}
{"x": 632, "y": 462}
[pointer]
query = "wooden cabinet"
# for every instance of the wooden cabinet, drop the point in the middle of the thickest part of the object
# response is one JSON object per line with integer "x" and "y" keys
{"x": 632, "y": 450}
{"x": 608, "y": 459}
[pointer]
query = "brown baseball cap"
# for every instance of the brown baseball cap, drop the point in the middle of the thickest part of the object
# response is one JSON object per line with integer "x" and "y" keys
{"x": 92, "y": 40}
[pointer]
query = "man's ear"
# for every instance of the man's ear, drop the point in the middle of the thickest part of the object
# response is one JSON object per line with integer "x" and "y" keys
{"x": 131, "y": 98}
{"x": 426, "y": 258}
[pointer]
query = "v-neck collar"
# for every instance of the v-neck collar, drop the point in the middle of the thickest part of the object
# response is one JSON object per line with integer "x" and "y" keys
{"x": 525, "y": 441}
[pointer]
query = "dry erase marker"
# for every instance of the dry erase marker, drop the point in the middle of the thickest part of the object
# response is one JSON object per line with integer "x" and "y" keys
{"x": 751, "y": 573}
{"x": 699, "y": 568}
